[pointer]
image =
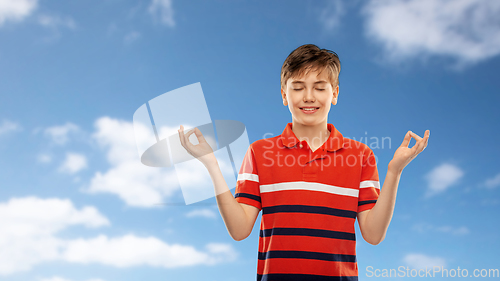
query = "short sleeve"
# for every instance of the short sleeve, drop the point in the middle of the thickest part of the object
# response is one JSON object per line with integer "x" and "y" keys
{"x": 369, "y": 186}
{"x": 247, "y": 184}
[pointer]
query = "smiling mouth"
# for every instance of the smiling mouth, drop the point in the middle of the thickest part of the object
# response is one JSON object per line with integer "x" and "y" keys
{"x": 309, "y": 108}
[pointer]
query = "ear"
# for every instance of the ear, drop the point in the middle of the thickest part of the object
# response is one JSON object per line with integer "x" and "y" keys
{"x": 283, "y": 95}
{"x": 335, "y": 95}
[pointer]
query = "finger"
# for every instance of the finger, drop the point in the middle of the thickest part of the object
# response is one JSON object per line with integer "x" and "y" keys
{"x": 190, "y": 132}
{"x": 415, "y": 136}
{"x": 181, "y": 136}
{"x": 199, "y": 135}
{"x": 418, "y": 147}
{"x": 184, "y": 141}
{"x": 422, "y": 143}
{"x": 406, "y": 140}
{"x": 415, "y": 149}
{"x": 426, "y": 138}
{"x": 187, "y": 142}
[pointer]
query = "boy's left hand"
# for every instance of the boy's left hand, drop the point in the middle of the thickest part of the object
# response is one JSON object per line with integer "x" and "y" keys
{"x": 404, "y": 154}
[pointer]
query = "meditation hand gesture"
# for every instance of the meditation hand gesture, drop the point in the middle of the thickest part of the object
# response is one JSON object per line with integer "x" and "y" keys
{"x": 404, "y": 154}
{"x": 202, "y": 151}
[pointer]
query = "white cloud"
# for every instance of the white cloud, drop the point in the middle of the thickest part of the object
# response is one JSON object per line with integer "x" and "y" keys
{"x": 206, "y": 213}
{"x": 28, "y": 228}
{"x": 22, "y": 216}
{"x": 330, "y": 15}
{"x": 143, "y": 186}
{"x": 442, "y": 177}
{"x": 421, "y": 261}
{"x": 165, "y": 132}
{"x": 57, "y": 278}
{"x": 73, "y": 163}
{"x": 9, "y": 126}
{"x": 130, "y": 250}
{"x": 118, "y": 137}
{"x": 28, "y": 236}
{"x": 221, "y": 252}
{"x": 16, "y": 10}
{"x": 60, "y": 134}
{"x": 466, "y": 30}
{"x": 424, "y": 228}
{"x": 163, "y": 9}
{"x": 56, "y": 21}
{"x": 493, "y": 182}
{"x": 135, "y": 183}
{"x": 131, "y": 37}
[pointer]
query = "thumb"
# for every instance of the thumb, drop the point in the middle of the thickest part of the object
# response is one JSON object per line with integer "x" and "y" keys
{"x": 406, "y": 140}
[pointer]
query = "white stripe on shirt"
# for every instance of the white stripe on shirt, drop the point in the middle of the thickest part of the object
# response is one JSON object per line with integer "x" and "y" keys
{"x": 246, "y": 176}
{"x": 365, "y": 184}
{"x": 313, "y": 186}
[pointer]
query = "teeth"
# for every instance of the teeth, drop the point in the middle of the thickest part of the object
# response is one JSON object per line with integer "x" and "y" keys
{"x": 309, "y": 108}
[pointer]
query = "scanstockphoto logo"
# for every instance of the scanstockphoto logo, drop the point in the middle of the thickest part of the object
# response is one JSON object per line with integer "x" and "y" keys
{"x": 431, "y": 272}
{"x": 155, "y": 128}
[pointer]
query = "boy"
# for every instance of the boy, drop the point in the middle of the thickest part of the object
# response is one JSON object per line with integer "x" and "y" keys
{"x": 310, "y": 182}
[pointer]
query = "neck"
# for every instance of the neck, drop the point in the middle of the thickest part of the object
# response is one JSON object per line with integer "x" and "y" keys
{"x": 314, "y": 135}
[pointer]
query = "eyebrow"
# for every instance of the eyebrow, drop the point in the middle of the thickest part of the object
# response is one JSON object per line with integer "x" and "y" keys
{"x": 317, "y": 82}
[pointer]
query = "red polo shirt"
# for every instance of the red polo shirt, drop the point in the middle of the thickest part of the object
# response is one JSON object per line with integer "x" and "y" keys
{"x": 309, "y": 202}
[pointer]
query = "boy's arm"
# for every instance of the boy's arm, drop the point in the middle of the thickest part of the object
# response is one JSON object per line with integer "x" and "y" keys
{"x": 373, "y": 223}
{"x": 239, "y": 218}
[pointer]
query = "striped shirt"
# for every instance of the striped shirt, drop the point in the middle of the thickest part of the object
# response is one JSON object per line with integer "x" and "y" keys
{"x": 309, "y": 202}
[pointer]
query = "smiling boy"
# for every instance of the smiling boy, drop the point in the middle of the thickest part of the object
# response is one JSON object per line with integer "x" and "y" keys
{"x": 310, "y": 182}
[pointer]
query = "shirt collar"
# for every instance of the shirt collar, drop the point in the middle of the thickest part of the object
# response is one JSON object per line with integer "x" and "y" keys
{"x": 334, "y": 142}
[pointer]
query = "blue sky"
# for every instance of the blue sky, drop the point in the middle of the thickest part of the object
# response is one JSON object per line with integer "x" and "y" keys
{"x": 77, "y": 205}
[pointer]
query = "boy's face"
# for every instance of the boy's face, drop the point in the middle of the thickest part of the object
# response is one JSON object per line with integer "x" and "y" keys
{"x": 311, "y": 91}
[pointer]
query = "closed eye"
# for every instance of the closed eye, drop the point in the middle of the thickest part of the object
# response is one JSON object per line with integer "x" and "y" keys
{"x": 303, "y": 88}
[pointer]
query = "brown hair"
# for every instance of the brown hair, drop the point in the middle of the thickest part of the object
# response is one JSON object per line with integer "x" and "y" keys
{"x": 310, "y": 57}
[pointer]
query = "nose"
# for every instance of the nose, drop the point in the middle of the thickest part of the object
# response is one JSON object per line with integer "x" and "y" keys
{"x": 309, "y": 95}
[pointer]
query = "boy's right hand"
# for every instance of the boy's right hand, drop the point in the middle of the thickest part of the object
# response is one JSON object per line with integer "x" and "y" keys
{"x": 202, "y": 151}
